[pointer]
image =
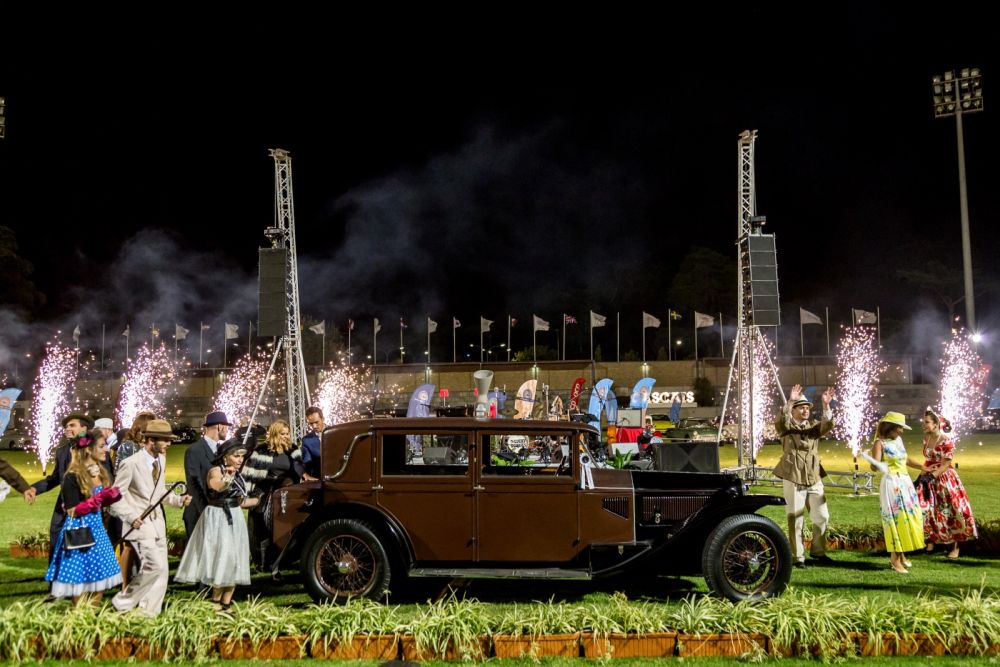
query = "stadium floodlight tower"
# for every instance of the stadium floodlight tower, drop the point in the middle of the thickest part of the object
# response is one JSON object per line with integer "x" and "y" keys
{"x": 282, "y": 251}
{"x": 758, "y": 307}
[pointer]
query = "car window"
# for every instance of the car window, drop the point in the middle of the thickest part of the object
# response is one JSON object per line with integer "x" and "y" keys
{"x": 425, "y": 454}
{"x": 526, "y": 453}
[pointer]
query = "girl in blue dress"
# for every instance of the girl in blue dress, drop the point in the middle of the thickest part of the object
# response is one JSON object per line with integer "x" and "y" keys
{"x": 84, "y": 574}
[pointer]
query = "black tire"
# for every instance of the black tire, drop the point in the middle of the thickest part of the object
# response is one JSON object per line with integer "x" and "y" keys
{"x": 344, "y": 559}
{"x": 746, "y": 557}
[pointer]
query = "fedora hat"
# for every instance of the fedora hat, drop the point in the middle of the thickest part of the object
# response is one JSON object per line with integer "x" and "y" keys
{"x": 801, "y": 401}
{"x": 158, "y": 429}
{"x": 80, "y": 417}
{"x": 897, "y": 418}
{"x": 217, "y": 417}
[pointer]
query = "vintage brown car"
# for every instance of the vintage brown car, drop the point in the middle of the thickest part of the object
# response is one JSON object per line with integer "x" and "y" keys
{"x": 459, "y": 497}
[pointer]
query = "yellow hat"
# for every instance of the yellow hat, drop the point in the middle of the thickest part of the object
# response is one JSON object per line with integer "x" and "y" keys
{"x": 897, "y": 418}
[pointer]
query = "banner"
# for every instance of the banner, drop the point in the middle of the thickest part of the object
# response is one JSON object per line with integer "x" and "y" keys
{"x": 455, "y": 323}
{"x": 378, "y": 327}
{"x": 640, "y": 393}
{"x": 432, "y": 326}
{"x": 420, "y": 401}
{"x": 525, "y": 402}
{"x": 863, "y": 317}
{"x": 574, "y": 394}
{"x": 484, "y": 325}
{"x": 7, "y": 399}
{"x": 319, "y": 328}
{"x": 701, "y": 320}
{"x": 805, "y": 317}
{"x": 598, "y": 399}
{"x": 180, "y": 333}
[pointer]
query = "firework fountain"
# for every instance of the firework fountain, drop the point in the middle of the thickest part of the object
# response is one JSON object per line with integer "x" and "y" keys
{"x": 963, "y": 378}
{"x": 241, "y": 387}
{"x": 147, "y": 385}
{"x": 857, "y": 380}
{"x": 52, "y": 391}
{"x": 756, "y": 407}
{"x": 344, "y": 393}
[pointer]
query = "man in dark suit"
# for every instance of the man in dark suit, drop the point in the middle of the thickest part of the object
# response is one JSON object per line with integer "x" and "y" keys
{"x": 73, "y": 425}
{"x": 197, "y": 462}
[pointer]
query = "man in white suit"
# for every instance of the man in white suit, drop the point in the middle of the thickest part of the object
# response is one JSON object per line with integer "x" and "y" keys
{"x": 141, "y": 481}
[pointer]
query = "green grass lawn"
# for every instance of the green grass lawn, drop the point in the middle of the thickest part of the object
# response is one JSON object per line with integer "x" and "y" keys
{"x": 856, "y": 572}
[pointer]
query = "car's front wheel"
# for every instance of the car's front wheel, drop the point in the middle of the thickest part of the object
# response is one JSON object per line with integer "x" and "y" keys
{"x": 746, "y": 557}
{"x": 344, "y": 559}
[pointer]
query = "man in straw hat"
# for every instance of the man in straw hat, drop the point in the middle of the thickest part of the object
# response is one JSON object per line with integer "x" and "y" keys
{"x": 799, "y": 468}
{"x": 141, "y": 481}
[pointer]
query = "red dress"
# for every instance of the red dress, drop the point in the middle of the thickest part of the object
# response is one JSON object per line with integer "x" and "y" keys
{"x": 947, "y": 512}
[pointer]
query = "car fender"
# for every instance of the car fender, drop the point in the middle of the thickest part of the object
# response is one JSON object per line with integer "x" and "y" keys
{"x": 385, "y": 525}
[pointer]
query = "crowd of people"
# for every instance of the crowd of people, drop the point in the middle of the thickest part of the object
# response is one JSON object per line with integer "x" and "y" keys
{"x": 933, "y": 511}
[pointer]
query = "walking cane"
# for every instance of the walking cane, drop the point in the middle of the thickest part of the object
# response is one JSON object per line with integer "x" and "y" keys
{"x": 127, "y": 555}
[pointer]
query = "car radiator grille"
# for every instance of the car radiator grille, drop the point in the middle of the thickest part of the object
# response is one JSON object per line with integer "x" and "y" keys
{"x": 616, "y": 505}
{"x": 670, "y": 508}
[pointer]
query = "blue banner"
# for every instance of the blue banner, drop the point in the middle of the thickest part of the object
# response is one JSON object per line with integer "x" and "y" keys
{"x": 420, "y": 402}
{"x": 7, "y": 398}
{"x": 598, "y": 399}
{"x": 640, "y": 394}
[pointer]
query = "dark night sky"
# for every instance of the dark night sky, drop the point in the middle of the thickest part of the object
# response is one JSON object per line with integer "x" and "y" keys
{"x": 518, "y": 165}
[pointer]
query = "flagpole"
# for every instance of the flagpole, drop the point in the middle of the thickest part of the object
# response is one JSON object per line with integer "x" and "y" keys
{"x": 722, "y": 340}
{"x": 102, "y": 347}
{"x": 564, "y": 337}
{"x": 696, "y": 340}
{"x": 802, "y": 343}
{"x": 350, "y": 326}
{"x": 670, "y": 335}
{"x": 591, "y": 335}
{"x": 225, "y": 344}
{"x": 249, "y": 334}
{"x": 152, "y": 339}
{"x": 125, "y": 365}
{"x": 828, "y": 331}
{"x": 534, "y": 340}
{"x": 401, "y": 340}
{"x": 480, "y": 340}
{"x": 644, "y": 338}
{"x": 508, "y": 338}
{"x": 201, "y": 341}
{"x": 322, "y": 359}
{"x": 454, "y": 335}
{"x": 175, "y": 344}
{"x": 428, "y": 341}
{"x": 878, "y": 325}
{"x": 618, "y": 351}
{"x": 375, "y": 343}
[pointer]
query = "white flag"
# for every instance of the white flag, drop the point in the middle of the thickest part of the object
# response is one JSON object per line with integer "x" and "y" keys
{"x": 206, "y": 327}
{"x": 319, "y": 328}
{"x": 180, "y": 333}
{"x": 805, "y": 317}
{"x": 378, "y": 327}
{"x": 76, "y": 335}
{"x": 702, "y": 320}
{"x": 125, "y": 333}
{"x": 232, "y": 331}
{"x": 649, "y": 321}
{"x": 455, "y": 323}
{"x": 540, "y": 324}
{"x": 484, "y": 325}
{"x": 597, "y": 320}
{"x": 432, "y": 326}
{"x": 863, "y": 317}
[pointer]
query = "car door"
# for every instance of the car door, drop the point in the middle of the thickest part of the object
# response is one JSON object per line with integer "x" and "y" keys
{"x": 425, "y": 483}
{"x": 525, "y": 503}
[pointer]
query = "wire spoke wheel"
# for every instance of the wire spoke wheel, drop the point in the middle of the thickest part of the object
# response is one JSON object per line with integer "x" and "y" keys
{"x": 346, "y": 566}
{"x": 749, "y": 562}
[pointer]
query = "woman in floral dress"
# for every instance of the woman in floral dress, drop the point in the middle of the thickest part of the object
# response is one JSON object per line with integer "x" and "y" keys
{"x": 902, "y": 521}
{"x": 947, "y": 513}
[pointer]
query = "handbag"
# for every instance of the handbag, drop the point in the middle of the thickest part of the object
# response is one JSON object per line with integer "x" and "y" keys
{"x": 80, "y": 537}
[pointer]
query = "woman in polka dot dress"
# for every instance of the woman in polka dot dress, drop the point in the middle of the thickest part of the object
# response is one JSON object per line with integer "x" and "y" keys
{"x": 84, "y": 574}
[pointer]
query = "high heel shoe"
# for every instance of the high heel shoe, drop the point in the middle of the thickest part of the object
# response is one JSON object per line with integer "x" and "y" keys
{"x": 953, "y": 554}
{"x": 930, "y": 548}
{"x": 907, "y": 564}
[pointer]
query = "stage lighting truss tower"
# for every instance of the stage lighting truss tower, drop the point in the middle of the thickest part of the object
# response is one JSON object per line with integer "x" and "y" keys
{"x": 748, "y": 332}
{"x": 282, "y": 235}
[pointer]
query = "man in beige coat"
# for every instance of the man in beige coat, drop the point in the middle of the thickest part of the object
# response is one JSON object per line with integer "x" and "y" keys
{"x": 141, "y": 481}
{"x": 799, "y": 468}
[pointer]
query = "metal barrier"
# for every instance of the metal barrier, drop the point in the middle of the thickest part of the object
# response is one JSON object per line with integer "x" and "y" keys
{"x": 861, "y": 483}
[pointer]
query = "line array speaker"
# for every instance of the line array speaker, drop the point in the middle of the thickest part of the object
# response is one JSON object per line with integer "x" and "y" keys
{"x": 271, "y": 307}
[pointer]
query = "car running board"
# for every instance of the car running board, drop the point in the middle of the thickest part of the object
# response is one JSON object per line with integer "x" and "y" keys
{"x": 501, "y": 573}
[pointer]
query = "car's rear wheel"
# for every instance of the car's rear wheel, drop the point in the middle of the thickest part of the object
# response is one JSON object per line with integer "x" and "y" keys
{"x": 747, "y": 557}
{"x": 344, "y": 559}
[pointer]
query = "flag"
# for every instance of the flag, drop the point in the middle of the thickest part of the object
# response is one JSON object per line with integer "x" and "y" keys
{"x": 597, "y": 320}
{"x": 702, "y": 320}
{"x": 76, "y": 335}
{"x": 7, "y": 399}
{"x": 569, "y": 319}
{"x": 319, "y": 328}
{"x": 402, "y": 324}
{"x": 232, "y": 331}
{"x": 432, "y": 326}
{"x": 180, "y": 333}
{"x": 455, "y": 323}
{"x": 156, "y": 332}
{"x": 540, "y": 324}
{"x": 378, "y": 327}
{"x": 484, "y": 324}
{"x": 125, "y": 333}
{"x": 805, "y": 317}
{"x": 649, "y": 321}
{"x": 863, "y": 316}
{"x": 205, "y": 327}
{"x": 674, "y": 315}
{"x": 350, "y": 325}
{"x": 513, "y": 321}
